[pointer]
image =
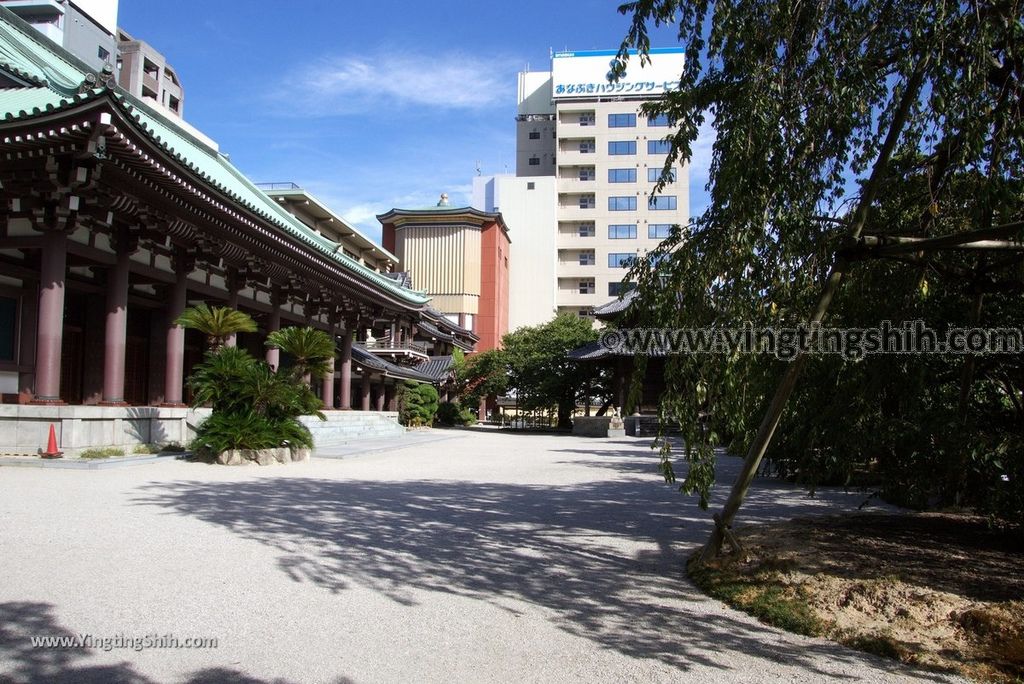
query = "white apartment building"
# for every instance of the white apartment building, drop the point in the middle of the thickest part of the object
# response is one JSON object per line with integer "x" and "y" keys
{"x": 605, "y": 158}
{"x": 529, "y": 207}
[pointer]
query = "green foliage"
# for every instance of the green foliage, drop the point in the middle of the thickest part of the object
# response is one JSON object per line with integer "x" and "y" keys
{"x": 227, "y": 431}
{"x": 417, "y": 403}
{"x": 310, "y": 349}
{"x": 217, "y": 323}
{"x": 104, "y": 452}
{"x": 540, "y": 372}
{"x": 804, "y": 98}
{"x": 253, "y": 407}
{"x": 451, "y": 414}
{"x": 481, "y": 375}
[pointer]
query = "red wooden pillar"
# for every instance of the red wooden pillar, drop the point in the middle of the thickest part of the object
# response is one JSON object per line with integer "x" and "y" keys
{"x": 365, "y": 393}
{"x": 174, "y": 370}
{"x": 234, "y": 285}
{"x": 273, "y": 356}
{"x": 116, "y": 327}
{"x": 346, "y": 367}
{"x": 327, "y": 386}
{"x": 50, "y": 322}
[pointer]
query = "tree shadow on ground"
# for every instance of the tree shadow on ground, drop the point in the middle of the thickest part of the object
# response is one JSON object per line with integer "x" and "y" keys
{"x": 570, "y": 549}
{"x": 22, "y": 662}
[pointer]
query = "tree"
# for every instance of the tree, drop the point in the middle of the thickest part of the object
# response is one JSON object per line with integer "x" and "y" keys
{"x": 217, "y": 323}
{"x": 482, "y": 375}
{"x": 807, "y": 97}
{"x": 311, "y": 350}
{"x": 538, "y": 368}
{"x": 417, "y": 403}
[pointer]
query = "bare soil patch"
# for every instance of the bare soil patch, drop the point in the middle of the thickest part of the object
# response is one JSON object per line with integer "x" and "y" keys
{"x": 939, "y": 591}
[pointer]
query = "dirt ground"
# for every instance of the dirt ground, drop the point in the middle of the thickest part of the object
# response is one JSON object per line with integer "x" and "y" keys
{"x": 939, "y": 591}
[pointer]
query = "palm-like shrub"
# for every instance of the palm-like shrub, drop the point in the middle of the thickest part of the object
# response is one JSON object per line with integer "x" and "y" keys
{"x": 253, "y": 407}
{"x": 310, "y": 349}
{"x": 217, "y": 323}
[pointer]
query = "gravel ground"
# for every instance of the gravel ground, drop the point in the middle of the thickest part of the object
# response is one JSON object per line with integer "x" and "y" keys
{"x": 484, "y": 557}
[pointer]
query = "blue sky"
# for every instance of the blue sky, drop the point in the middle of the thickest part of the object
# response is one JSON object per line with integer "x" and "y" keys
{"x": 370, "y": 106}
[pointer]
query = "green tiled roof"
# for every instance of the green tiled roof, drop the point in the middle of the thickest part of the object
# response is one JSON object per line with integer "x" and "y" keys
{"x": 33, "y": 57}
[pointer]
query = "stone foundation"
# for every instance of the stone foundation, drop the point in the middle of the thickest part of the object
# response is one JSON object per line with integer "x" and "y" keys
{"x": 25, "y": 428}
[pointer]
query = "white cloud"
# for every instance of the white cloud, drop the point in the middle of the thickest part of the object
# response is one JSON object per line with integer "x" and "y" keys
{"x": 351, "y": 83}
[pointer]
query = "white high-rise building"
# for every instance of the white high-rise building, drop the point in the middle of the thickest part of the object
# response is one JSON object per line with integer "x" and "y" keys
{"x": 604, "y": 157}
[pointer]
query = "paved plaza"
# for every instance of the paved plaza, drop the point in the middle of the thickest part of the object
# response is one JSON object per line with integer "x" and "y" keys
{"x": 477, "y": 556}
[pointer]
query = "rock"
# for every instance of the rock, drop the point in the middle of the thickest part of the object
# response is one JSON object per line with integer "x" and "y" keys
{"x": 301, "y": 454}
{"x": 282, "y": 455}
{"x": 264, "y": 456}
{"x": 232, "y": 457}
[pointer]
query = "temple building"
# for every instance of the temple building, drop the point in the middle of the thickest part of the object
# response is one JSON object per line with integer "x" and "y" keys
{"x": 460, "y": 256}
{"x": 114, "y": 217}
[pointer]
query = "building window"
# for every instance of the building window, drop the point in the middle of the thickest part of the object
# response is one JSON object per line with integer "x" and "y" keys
{"x": 534, "y": 161}
{"x": 102, "y": 52}
{"x": 587, "y": 230}
{"x": 588, "y": 258}
{"x": 622, "y": 175}
{"x": 622, "y": 231}
{"x": 587, "y": 286}
{"x": 621, "y": 259}
{"x": 659, "y": 121}
{"x": 534, "y": 135}
{"x": 587, "y": 173}
{"x": 615, "y": 289}
{"x": 587, "y": 202}
{"x": 587, "y": 119}
{"x": 626, "y": 203}
{"x": 663, "y": 203}
{"x": 659, "y": 231}
{"x": 658, "y": 146}
{"x": 8, "y": 327}
{"x": 622, "y": 147}
{"x": 621, "y": 120}
{"x": 588, "y": 146}
{"x": 530, "y": 185}
{"x": 654, "y": 175}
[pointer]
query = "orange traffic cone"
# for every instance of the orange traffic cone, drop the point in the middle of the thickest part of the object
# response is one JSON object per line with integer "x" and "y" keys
{"x": 51, "y": 446}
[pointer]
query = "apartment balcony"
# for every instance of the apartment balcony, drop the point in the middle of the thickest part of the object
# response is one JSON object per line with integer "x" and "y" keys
{"x": 573, "y": 212}
{"x": 573, "y": 184}
{"x": 566, "y": 297}
{"x": 573, "y": 240}
{"x": 574, "y": 269}
{"x": 571, "y": 156}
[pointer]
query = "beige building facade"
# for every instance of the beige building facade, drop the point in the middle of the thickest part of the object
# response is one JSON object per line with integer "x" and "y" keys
{"x": 605, "y": 157}
{"x": 529, "y": 207}
{"x": 145, "y": 73}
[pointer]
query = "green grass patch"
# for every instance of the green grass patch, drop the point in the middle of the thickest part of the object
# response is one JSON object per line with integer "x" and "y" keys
{"x": 106, "y": 452}
{"x": 760, "y": 594}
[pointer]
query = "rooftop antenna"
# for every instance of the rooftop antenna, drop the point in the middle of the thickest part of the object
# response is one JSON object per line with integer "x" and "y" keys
{"x": 478, "y": 167}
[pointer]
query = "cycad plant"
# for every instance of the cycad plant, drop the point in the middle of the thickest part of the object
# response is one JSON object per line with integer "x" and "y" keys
{"x": 253, "y": 407}
{"x": 310, "y": 349}
{"x": 218, "y": 323}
